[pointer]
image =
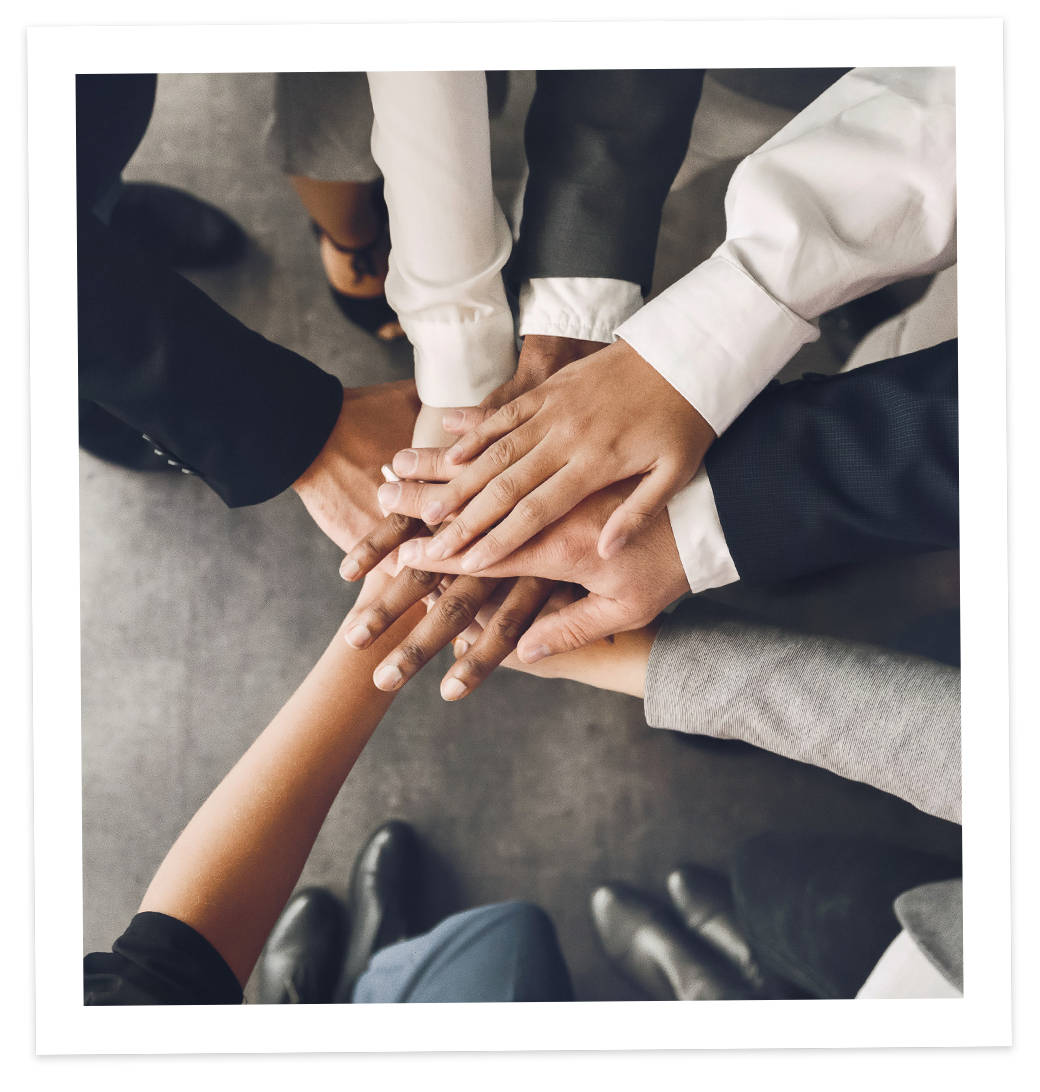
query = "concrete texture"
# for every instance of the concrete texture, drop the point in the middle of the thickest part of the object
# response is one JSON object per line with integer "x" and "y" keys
{"x": 197, "y": 623}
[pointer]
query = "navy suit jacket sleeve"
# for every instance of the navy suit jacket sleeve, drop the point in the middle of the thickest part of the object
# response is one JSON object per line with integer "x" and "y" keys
{"x": 833, "y": 470}
{"x": 602, "y": 147}
{"x": 245, "y": 414}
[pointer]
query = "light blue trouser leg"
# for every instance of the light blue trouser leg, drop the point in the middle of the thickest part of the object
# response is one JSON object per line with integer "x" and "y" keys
{"x": 504, "y": 952}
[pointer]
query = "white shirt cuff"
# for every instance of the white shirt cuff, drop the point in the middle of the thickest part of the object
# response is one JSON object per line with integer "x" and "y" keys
{"x": 699, "y": 537}
{"x": 585, "y": 308}
{"x": 459, "y": 362}
{"x": 718, "y": 337}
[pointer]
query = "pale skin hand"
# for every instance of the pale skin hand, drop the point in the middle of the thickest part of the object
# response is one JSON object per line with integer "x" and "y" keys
{"x": 339, "y": 488}
{"x": 597, "y": 421}
{"x": 453, "y": 602}
{"x": 626, "y": 592}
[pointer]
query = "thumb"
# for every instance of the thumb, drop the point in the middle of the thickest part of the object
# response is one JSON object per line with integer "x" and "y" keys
{"x": 634, "y": 513}
{"x": 574, "y": 626}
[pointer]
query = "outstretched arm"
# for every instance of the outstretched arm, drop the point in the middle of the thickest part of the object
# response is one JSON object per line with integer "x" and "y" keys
{"x": 230, "y": 872}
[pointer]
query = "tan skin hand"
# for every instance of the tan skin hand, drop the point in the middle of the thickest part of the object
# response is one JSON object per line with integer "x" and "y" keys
{"x": 453, "y": 602}
{"x": 597, "y": 421}
{"x": 339, "y": 488}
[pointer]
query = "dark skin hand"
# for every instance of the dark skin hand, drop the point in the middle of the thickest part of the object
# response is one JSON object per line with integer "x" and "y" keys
{"x": 508, "y": 606}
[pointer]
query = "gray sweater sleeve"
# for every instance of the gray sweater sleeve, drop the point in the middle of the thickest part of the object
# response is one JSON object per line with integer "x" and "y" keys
{"x": 886, "y": 718}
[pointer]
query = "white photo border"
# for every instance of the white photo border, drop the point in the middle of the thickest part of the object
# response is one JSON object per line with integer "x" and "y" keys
{"x": 63, "y": 1025}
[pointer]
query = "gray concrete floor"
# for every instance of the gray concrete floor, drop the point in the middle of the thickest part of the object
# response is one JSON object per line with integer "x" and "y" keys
{"x": 197, "y": 623}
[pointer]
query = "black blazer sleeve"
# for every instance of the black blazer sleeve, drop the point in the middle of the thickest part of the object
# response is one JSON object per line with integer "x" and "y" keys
{"x": 159, "y": 961}
{"x": 603, "y": 147}
{"x": 246, "y": 415}
{"x": 855, "y": 467}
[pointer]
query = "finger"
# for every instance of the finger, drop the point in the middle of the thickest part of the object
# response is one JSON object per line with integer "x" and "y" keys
{"x": 379, "y": 543}
{"x": 439, "y": 501}
{"x": 426, "y": 464}
{"x": 498, "y": 638}
{"x": 574, "y": 626}
{"x": 418, "y": 500}
{"x": 453, "y": 612}
{"x": 497, "y": 499}
{"x": 636, "y": 511}
{"x": 522, "y": 562}
{"x": 502, "y": 421}
{"x": 404, "y": 591}
{"x": 462, "y": 420}
{"x": 529, "y": 515}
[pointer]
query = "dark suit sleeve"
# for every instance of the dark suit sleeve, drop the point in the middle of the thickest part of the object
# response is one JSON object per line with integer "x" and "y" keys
{"x": 855, "y": 467}
{"x": 246, "y": 415}
{"x": 603, "y": 147}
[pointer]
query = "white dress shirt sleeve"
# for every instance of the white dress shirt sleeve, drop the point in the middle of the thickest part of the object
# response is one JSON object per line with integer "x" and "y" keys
{"x": 854, "y": 193}
{"x": 699, "y": 537}
{"x": 449, "y": 236}
{"x": 585, "y": 308}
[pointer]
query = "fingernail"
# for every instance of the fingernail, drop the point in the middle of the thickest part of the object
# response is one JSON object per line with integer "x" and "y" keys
{"x": 359, "y": 636}
{"x": 389, "y": 494}
{"x": 453, "y": 419}
{"x": 410, "y": 552}
{"x": 454, "y": 454}
{"x": 432, "y": 513}
{"x": 388, "y": 677}
{"x": 533, "y": 655}
{"x": 437, "y": 549}
{"x": 473, "y": 561}
{"x": 349, "y": 568}
{"x": 460, "y": 648}
{"x": 614, "y": 547}
{"x": 452, "y": 689}
{"x": 406, "y": 461}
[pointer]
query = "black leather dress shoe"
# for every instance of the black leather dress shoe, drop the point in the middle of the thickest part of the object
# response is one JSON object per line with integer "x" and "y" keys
{"x": 176, "y": 228}
{"x": 383, "y": 898}
{"x": 643, "y": 940}
{"x": 303, "y": 954}
{"x": 704, "y": 903}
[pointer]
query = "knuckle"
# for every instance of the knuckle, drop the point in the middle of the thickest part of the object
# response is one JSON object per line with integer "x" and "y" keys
{"x": 531, "y": 512}
{"x": 379, "y": 615}
{"x": 422, "y": 578}
{"x": 412, "y": 653}
{"x": 507, "y": 627}
{"x": 504, "y": 490}
{"x": 509, "y": 415}
{"x": 457, "y": 610}
{"x": 398, "y": 526}
{"x": 502, "y": 453}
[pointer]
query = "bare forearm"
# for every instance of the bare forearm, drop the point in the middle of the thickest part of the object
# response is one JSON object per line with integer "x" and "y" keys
{"x": 232, "y": 869}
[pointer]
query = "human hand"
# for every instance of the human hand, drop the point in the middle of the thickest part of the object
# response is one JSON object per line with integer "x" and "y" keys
{"x": 625, "y": 592}
{"x": 450, "y": 612}
{"x": 615, "y": 663}
{"x": 541, "y": 355}
{"x": 595, "y": 422}
{"x": 339, "y": 488}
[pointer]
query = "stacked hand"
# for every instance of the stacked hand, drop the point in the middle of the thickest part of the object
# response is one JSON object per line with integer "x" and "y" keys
{"x": 339, "y": 488}
{"x": 600, "y": 420}
{"x": 579, "y": 448}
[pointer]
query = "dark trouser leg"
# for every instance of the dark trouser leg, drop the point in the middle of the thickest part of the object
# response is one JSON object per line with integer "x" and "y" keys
{"x": 504, "y": 952}
{"x": 817, "y": 911}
